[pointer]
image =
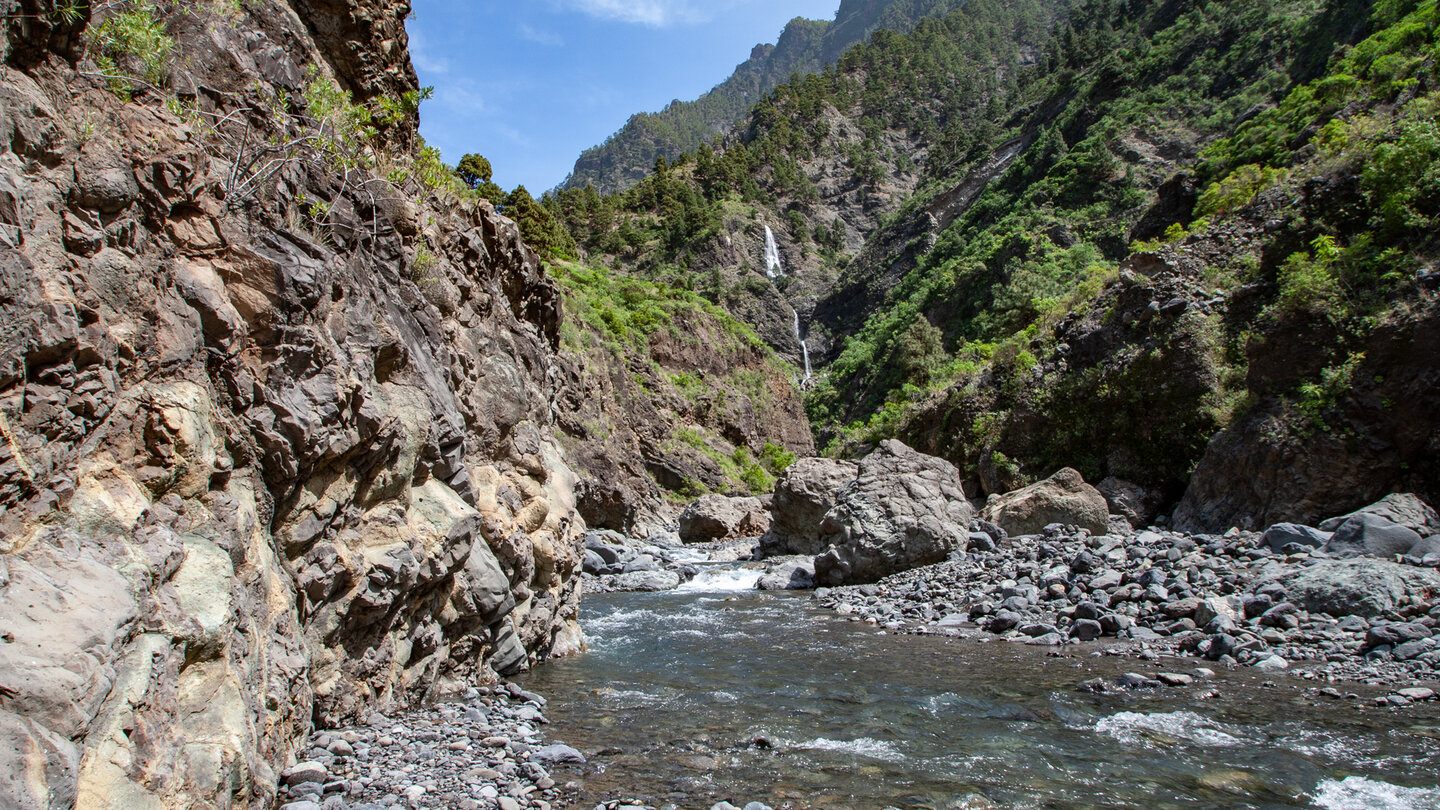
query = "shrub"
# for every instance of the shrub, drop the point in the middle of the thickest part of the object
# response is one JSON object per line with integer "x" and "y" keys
{"x": 132, "y": 42}
{"x": 1308, "y": 281}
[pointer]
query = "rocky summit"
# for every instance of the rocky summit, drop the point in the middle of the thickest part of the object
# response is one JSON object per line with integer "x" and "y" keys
{"x": 1076, "y": 360}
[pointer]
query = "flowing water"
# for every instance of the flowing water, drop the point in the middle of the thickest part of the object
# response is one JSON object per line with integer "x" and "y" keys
{"x": 708, "y": 694}
{"x": 804, "y": 349}
{"x": 772, "y": 255}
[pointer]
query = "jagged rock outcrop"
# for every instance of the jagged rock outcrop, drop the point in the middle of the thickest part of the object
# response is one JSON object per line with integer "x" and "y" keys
{"x": 274, "y": 433}
{"x": 719, "y": 517}
{"x": 1379, "y": 435}
{"x": 803, "y": 495}
{"x": 1062, "y": 498}
{"x": 903, "y": 510}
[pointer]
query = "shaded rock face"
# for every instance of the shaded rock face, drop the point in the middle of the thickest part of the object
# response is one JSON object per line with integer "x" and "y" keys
{"x": 803, "y": 495}
{"x": 258, "y": 468}
{"x": 903, "y": 510}
{"x": 720, "y": 517}
{"x": 1261, "y": 471}
{"x": 1062, "y": 498}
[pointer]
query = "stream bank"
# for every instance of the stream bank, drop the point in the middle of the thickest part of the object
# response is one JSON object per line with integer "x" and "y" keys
{"x": 689, "y": 699}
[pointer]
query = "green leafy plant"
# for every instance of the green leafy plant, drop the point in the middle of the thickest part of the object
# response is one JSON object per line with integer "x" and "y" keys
{"x": 131, "y": 43}
{"x": 1309, "y": 281}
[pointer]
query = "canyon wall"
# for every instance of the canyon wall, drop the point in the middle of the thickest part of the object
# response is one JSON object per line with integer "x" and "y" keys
{"x": 275, "y": 408}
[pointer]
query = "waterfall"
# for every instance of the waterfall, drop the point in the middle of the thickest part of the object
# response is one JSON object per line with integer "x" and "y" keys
{"x": 772, "y": 255}
{"x": 804, "y": 349}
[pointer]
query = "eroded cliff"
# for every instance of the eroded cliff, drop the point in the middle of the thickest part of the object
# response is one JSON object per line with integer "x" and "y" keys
{"x": 276, "y": 408}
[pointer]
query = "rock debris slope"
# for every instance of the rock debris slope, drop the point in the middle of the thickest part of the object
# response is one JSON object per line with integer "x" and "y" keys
{"x": 275, "y": 438}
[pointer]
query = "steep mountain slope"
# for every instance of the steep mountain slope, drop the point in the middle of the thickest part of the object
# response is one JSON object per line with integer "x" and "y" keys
{"x": 1159, "y": 242}
{"x": 805, "y": 46}
{"x": 822, "y": 163}
{"x": 667, "y": 398}
{"x": 276, "y": 405}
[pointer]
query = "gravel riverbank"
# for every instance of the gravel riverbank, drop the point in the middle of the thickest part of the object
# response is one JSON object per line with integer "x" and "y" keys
{"x": 1233, "y": 600}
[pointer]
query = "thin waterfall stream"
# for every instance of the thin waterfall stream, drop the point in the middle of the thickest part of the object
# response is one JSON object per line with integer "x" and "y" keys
{"x": 773, "y": 268}
{"x": 804, "y": 349}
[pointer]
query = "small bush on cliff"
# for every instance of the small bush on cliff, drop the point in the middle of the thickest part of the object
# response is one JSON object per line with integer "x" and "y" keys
{"x": 1309, "y": 281}
{"x": 132, "y": 44}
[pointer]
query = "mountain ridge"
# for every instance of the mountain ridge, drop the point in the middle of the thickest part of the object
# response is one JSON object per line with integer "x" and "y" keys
{"x": 804, "y": 46}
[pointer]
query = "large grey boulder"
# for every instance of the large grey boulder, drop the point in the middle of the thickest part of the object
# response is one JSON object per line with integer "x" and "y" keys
{"x": 903, "y": 510}
{"x": 1062, "y": 498}
{"x": 1280, "y": 535}
{"x": 1402, "y": 509}
{"x": 1395, "y": 525}
{"x": 1369, "y": 534}
{"x": 805, "y": 492}
{"x": 721, "y": 517}
{"x": 1359, "y": 587}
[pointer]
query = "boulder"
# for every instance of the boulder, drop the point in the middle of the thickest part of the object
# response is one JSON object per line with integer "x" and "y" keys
{"x": 1359, "y": 587}
{"x": 805, "y": 492}
{"x": 1062, "y": 498}
{"x": 1371, "y": 534}
{"x": 721, "y": 517}
{"x": 1402, "y": 509}
{"x": 903, "y": 510}
{"x": 1137, "y": 505}
{"x": 1280, "y": 535}
{"x": 794, "y": 574}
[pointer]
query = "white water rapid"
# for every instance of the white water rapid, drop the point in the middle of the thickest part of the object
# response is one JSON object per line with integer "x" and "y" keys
{"x": 804, "y": 349}
{"x": 772, "y": 255}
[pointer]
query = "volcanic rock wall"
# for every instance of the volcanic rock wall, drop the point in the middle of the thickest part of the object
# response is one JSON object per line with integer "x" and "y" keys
{"x": 275, "y": 433}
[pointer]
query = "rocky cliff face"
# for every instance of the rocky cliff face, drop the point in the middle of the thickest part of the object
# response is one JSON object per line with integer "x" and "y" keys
{"x": 666, "y": 398}
{"x": 274, "y": 437}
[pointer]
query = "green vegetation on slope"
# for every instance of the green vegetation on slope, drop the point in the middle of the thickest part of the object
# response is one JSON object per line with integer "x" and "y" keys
{"x": 932, "y": 84}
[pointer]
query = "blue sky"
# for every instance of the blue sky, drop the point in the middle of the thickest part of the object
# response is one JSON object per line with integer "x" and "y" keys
{"x": 531, "y": 83}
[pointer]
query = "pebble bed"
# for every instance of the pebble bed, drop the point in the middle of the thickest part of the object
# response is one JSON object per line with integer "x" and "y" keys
{"x": 1155, "y": 593}
{"x": 484, "y": 753}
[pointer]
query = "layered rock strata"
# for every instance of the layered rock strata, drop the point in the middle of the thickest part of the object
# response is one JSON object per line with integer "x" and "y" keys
{"x": 274, "y": 436}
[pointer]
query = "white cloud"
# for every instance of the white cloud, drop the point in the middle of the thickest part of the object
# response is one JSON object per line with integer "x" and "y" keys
{"x": 424, "y": 61}
{"x": 462, "y": 101}
{"x": 540, "y": 36}
{"x": 654, "y": 13}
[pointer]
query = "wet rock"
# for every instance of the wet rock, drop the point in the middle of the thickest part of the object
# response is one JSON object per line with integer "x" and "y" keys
{"x": 557, "y": 754}
{"x": 1062, "y": 498}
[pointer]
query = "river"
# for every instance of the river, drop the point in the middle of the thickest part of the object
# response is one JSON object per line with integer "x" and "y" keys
{"x": 691, "y": 698}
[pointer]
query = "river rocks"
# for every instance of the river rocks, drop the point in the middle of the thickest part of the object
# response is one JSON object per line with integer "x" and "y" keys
{"x": 1281, "y": 535}
{"x": 1230, "y": 599}
{"x": 805, "y": 492}
{"x": 720, "y": 517}
{"x": 1062, "y": 498}
{"x": 1360, "y": 587}
{"x": 904, "y": 509}
{"x": 486, "y": 751}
